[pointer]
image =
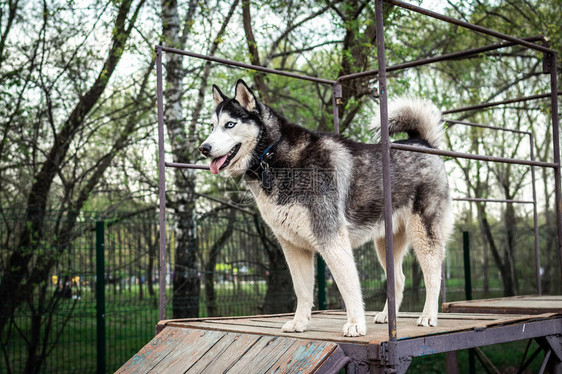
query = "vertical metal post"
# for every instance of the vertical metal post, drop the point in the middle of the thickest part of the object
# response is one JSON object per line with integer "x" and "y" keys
{"x": 321, "y": 281}
{"x": 336, "y": 100}
{"x": 556, "y": 151}
{"x": 535, "y": 218}
{"x": 100, "y": 296}
{"x": 387, "y": 193}
{"x": 161, "y": 183}
{"x": 468, "y": 290}
{"x": 443, "y": 280}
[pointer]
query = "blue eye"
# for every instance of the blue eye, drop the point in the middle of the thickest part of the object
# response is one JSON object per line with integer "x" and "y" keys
{"x": 229, "y": 125}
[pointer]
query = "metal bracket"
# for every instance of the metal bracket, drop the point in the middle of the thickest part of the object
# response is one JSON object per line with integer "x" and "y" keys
{"x": 337, "y": 92}
{"x": 388, "y": 353}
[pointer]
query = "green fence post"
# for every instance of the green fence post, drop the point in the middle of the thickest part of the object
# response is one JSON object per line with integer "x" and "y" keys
{"x": 468, "y": 290}
{"x": 100, "y": 295}
{"x": 321, "y": 279}
{"x": 467, "y": 274}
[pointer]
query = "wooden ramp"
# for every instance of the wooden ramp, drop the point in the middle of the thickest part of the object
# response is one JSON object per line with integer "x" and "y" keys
{"x": 181, "y": 350}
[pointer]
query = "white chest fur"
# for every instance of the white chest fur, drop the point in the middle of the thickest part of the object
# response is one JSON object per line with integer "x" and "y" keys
{"x": 290, "y": 222}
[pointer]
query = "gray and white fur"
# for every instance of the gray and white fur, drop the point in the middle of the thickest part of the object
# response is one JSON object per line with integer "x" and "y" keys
{"x": 322, "y": 193}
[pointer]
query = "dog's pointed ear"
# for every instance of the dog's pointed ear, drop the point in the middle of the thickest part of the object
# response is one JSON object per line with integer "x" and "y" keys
{"x": 245, "y": 96}
{"x": 218, "y": 96}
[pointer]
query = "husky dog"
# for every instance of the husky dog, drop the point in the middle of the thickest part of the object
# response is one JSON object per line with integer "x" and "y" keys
{"x": 322, "y": 193}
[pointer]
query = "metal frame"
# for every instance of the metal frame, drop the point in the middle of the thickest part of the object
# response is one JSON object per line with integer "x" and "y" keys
{"x": 398, "y": 351}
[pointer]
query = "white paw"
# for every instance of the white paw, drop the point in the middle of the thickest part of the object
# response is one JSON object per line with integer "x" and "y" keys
{"x": 296, "y": 325}
{"x": 354, "y": 329}
{"x": 427, "y": 320}
{"x": 381, "y": 317}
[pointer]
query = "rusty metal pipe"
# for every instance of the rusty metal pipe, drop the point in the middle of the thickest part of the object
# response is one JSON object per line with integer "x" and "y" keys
{"x": 556, "y": 151}
{"x": 446, "y": 57}
{"x": 246, "y": 66}
{"x": 440, "y": 152}
{"x": 187, "y": 166}
{"x": 473, "y": 124}
{"x": 481, "y": 200}
{"x": 161, "y": 184}
{"x": 387, "y": 187}
{"x": 497, "y": 103}
{"x": 470, "y": 26}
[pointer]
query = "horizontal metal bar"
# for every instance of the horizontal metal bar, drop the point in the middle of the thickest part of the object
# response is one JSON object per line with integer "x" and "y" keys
{"x": 245, "y": 66}
{"x": 470, "y": 26}
{"x": 440, "y": 152}
{"x": 496, "y": 103}
{"x": 445, "y": 57}
{"x": 433, "y": 344}
{"x": 186, "y": 166}
{"x": 482, "y": 200}
{"x": 473, "y": 124}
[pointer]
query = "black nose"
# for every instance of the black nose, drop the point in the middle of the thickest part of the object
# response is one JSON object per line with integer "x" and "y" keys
{"x": 205, "y": 149}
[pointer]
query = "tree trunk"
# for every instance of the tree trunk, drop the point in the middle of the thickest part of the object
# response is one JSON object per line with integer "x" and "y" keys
{"x": 152, "y": 250}
{"x": 417, "y": 277}
{"x": 214, "y": 252}
{"x": 507, "y": 280}
{"x": 510, "y": 223}
{"x": 259, "y": 78}
{"x": 186, "y": 279}
{"x": 279, "y": 297}
{"x": 485, "y": 263}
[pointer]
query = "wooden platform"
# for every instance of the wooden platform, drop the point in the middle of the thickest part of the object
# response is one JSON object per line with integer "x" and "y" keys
{"x": 532, "y": 304}
{"x": 327, "y": 325}
{"x": 256, "y": 344}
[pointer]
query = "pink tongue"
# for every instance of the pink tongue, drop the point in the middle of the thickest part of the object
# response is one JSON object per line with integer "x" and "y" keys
{"x": 217, "y": 163}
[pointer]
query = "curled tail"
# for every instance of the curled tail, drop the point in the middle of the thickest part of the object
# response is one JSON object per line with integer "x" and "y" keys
{"x": 420, "y": 119}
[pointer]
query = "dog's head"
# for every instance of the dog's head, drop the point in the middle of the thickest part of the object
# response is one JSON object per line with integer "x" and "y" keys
{"x": 237, "y": 129}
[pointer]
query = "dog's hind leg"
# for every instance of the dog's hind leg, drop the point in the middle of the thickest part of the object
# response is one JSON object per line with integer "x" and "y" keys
{"x": 400, "y": 249}
{"x": 429, "y": 246}
{"x": 338, "y": 255}
{"x": 301, "y": 266}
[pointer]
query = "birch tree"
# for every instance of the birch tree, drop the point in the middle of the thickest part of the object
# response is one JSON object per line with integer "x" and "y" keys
{"x": 184, "y": 144}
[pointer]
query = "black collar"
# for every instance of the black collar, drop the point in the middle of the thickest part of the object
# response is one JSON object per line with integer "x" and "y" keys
{"x": 267, "y": 155}
{"x": 262, "y": 169}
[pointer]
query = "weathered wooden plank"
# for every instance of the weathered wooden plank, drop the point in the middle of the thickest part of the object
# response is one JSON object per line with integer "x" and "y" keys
{"x": 262, "y": 355}
{"x": 180, "y": 350}
{"x": 303, "y": 357}
{"x": 334, "y": 336}
{"x": 155, "y": 351}
{"x": 508, "y": 305}
{"x": 224, "y": 354}
{"x": 187, "y": 352}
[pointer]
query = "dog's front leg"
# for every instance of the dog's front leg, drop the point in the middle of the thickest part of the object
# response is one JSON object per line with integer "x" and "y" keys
{"x": 301, "y": 266}
{"x": 339, "y": 258}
